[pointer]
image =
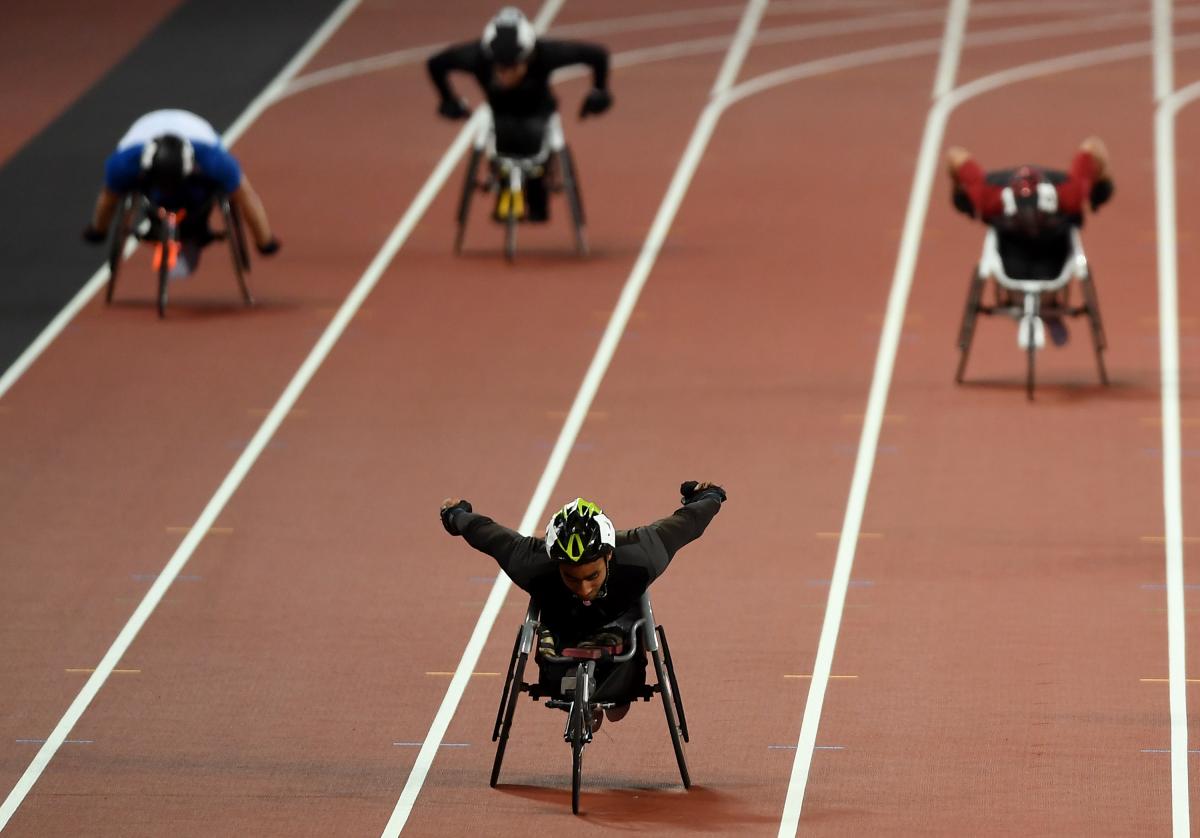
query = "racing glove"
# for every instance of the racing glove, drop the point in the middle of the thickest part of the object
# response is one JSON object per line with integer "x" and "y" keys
{"x": 690, "y": 494}
{"x": 94, "y": 235}
{"x": 448, "y": 514}
{"x": 597, "y": 101}
{"x": 454, "y": 108}
{"x": 1102, "y": 191}
{"x": 269, "y": 248}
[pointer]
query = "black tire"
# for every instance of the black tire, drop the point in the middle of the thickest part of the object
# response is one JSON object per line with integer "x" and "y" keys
{"x": 171, "y": 234}
{"x": 670, "y": 666}
{"x": 668, "y": 703}
{"x": 464, "y": 201}
{"x": 966, "y": 332}
{"x": 513, "y": 693}
{"x": 577, "y": 754}
{"x": 508, "y": 681}
{"x": 237, "y": 247}
{"x": 1099, "y": 341}
{"x": 510, "y": 230}
{"x": 116, "y": 244}
{"x": 574, "y": 199}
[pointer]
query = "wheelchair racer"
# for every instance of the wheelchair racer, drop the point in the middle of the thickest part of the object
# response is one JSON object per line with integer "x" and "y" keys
{"x": 513, "y": 66}
{"x": 177, "y": 161}
{"x": 587, "y": 578}
{"x": 1031, "y": 207}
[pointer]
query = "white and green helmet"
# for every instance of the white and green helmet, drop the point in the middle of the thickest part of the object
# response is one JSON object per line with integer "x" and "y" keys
{"x": 579, "y": 532}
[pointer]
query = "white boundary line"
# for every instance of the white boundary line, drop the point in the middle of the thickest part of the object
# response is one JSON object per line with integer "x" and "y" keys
{"x": 889, "y": 343}
{"x": 574, "y": 421}
{"x": 253, "y": 450}
{"x": 260, "y": 102}
{"x": 1169, "y": 104}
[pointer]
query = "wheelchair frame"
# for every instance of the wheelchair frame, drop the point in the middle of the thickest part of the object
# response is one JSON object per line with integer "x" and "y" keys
{"x": 507, "y": 175}
{"x": 135, "y": 210}
{"x": 1030, "y": 312}
{"x": 580, "y": 686}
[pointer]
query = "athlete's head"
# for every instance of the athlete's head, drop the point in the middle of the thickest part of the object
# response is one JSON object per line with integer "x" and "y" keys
{"x": 508, "y": 40}
{"x": 166, "y": 161}
{"x": 581, "y": 538}
{"x": 1033, "y": 198}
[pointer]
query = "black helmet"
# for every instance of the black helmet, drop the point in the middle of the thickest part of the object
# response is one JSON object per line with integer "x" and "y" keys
{"x": 579, "y": 532}
{"x": 166, "y": 161}
{"x": 508, "y": 38}
{"x": 1030, "y": 200}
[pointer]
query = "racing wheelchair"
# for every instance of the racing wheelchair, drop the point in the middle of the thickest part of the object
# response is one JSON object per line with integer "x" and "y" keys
{"x": 1032, "y": 283}
{"x": 168, "y": 230}
{"x": 517, "y": 157}
{"x": 576, "y": 694}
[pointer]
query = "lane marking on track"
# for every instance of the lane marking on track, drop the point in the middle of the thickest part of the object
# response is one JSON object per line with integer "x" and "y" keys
{"x": 65, "y": 742}
{"x": 864, "y": 535}
{"x": 294, "y": 413}
{"x": 100, "y": 277}
{"x": 1170, "y": 102}
{"x": 584, "y": 397}
{"x": 816, "y": 747}
{"x": 473, "y": 674}
{"x": 1162, "y": 539}
{"x": 855, "y": 418}
{"x": 441, "y": 745}
{"x": 1167, "y": 680}
{"x": 1184, "y": 421}
{"x": 211, "y": 530}
{"x": 1164, "y": 751}
{"x": 831, "y": 677}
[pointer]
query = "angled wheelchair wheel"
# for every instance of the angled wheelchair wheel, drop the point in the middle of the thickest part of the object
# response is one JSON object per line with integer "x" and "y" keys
{"x": 464, "y": 202}
{"x": 668, "y": 702}
{"x": 670, "y": 666}
{"x": 508, "y": 681}
{"x": 167, "y": 247}
{"x": 236, "y": 235}
{"x": 122, "y": 226}
{"x": 574, "y": 199}
{"x": 1031, "y": 357}
{"x": 1092, "y": 308}
{"x": 580, "y": 726}
{"x": 966, "y": 331}
{"x": 510, "y": 231}
{"x": 508, "y": 706}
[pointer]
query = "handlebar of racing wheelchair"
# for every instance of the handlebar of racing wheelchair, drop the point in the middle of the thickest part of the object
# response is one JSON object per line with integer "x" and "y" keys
{"x": 603, "y": 654}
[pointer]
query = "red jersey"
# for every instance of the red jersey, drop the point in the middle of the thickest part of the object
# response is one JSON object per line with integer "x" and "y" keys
{"x": 992, "y": 202}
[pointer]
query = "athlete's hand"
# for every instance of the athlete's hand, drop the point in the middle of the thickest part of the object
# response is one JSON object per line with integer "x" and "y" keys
{"x": 270, "y": 247}
{"x": 956, "y": 156}
{"x": 691, "y": 491}
{"x": 597, "y": 101}
{"x": 93, "y": 235}
{"x": 454, "y": 108}
{"x": 450, "y": 508}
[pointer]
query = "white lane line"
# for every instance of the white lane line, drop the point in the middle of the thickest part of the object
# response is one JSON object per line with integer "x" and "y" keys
{"x": 97, "y": 281}
{"x": 607, "y": 347}
{"x": 952, "y": 38}
{"x": 249, "y": 456}
{"x": 1170, "y": 103}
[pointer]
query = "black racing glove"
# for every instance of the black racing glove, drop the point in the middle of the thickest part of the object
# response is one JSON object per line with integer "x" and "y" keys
{"x": 1102, "y": 191}
{"x": 94, "y": 235}
{"x": 270, "y": 248}
{"x": 597, "y": 101}
{"x": 690, "y": 495}
{"x": 454, "y": 109}
{"x": 448, "y": 514}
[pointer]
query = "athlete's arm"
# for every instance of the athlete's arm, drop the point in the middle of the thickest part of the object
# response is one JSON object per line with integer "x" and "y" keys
{"x": 251, "y": 207}
{"x": 464, "y": 57}
{"x": 520, "y": 556}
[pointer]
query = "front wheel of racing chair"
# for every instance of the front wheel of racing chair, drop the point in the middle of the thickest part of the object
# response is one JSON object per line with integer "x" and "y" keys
{"x": 664, "y": 672}
{"x": 166, "y": 252}
{"x": 122, "y": 226}
{"x": 469, "y": 187}
{"x": 514, "y": 685}
{"x": 966, "y": 331}
{"x": 1091, "y": 307}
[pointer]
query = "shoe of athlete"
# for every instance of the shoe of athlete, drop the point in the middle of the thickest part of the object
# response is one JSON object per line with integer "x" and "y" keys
{"x": 1058, "y": 331}
{"x": 617, "y": 712}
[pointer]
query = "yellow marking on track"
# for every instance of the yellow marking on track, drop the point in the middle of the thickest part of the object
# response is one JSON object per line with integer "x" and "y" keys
{"x": 831, "y": 677}
{"x": 211, "y": 530}
{"x": 115, "y": 671}
{"x": 598, "y": 415}
{"x": 262, "y": 411}
{"x": 855, "y": 418}
{"x": 828, "y": 535}
{"x": 473, "y": 674}
{"x": 1161, "y": 539}
{"x": 1166, "y": 680}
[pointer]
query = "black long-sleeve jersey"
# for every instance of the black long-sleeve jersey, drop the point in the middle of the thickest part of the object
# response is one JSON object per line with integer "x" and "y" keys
{"x": 532, "y": 95}
{"x": 640, "y": 557}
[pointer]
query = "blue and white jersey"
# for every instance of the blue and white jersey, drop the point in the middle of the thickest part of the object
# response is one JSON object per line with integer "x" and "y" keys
{"x": 212, "y": 162}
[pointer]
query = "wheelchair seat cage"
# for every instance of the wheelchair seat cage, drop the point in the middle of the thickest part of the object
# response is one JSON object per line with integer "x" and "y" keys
{"x": 1030, "y": 301}
{"x": 577, "y": 689}
{"x": 507, "y": 176}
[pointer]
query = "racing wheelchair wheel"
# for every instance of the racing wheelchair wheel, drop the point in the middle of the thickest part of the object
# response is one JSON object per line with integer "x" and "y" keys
{"x": 122, "y": 227}
{"x": 510, "y": 225}
{"x": 669, "y": 705}
{"x": 1031, "y": 356}
{"x": 167, "y": 247}
{"x": 1091, "y": 307}
{"x": 236, "y": 234}
{"x": 579, "y": 727}
{"x": 508, "y": 704}
{"x": 670, "y": 667}
{"x": 574, "y": 199}
{"x": 464, "y": 202}
{"x": 966, "y": 332}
